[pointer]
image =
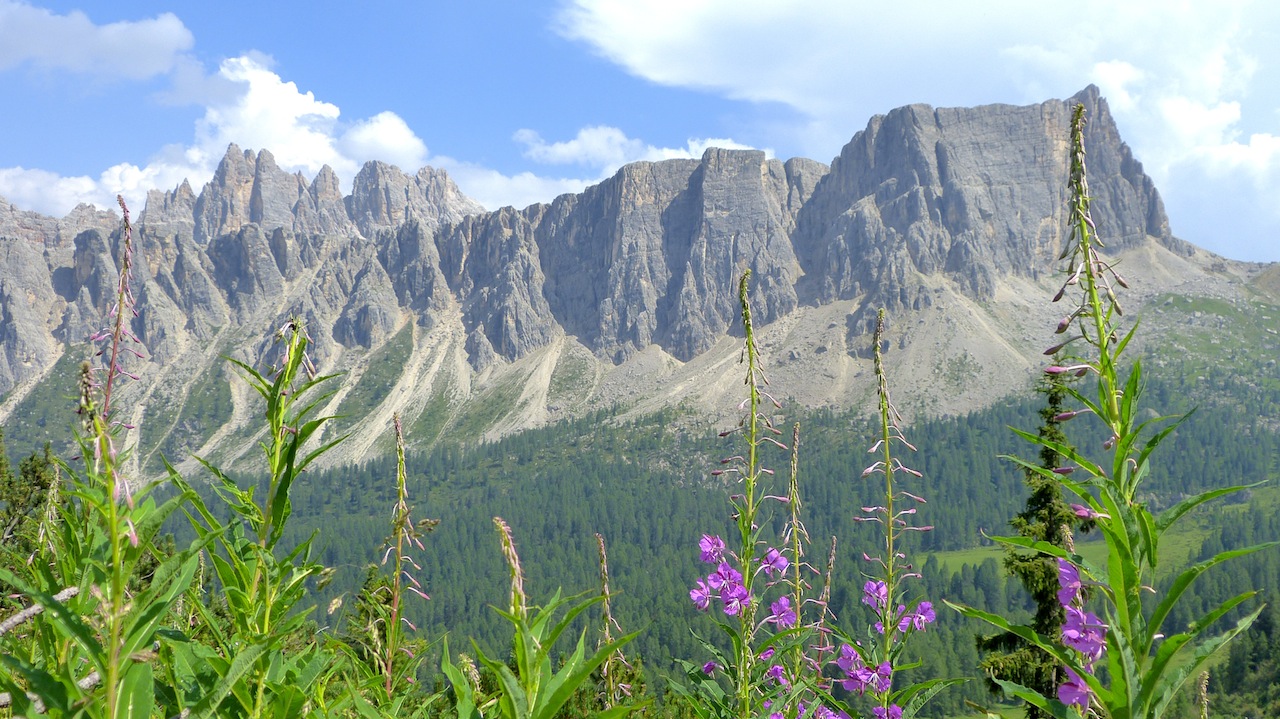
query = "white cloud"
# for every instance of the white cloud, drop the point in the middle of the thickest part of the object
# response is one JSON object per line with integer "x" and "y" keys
{"x": 494, "y": 189}
{"x": 600, "y": 148}
{"x": 1115, "y": 78}
{"x": 273, "y": 114}
{"x": 385, "y": 137}
{"x": 125, "y": 50}
{"x": 248, "y": 104}
{"x": 609, "y": 148}
{"x": 39, "y": 189}
{"x": 593, "y": 146}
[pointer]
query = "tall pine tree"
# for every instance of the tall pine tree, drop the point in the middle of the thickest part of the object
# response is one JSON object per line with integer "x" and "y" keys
{"x": 1047, "y": 518}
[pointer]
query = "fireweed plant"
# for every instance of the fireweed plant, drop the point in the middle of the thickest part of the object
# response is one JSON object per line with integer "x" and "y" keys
{"x": 529, "y": 686}
{"x": 262, "y": 665}
{"x": 768, "y": 666}
{"x": 383, "y": 657}
{"x": 868, "y": 666}
{"x": 1146, "y": 663}
{"x": 84, "y": 646}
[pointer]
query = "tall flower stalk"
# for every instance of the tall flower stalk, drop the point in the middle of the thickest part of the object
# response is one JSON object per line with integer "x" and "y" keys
{"x": 384, "y": 656}
{"x": 870, "y": 668}
{"x": 1147, "y": 663}
{"x": 766, "y": 666}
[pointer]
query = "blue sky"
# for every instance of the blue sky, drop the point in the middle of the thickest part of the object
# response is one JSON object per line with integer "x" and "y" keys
{"x": 523, "y": 100}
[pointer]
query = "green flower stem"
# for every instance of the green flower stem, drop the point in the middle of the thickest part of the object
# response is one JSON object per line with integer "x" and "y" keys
{"x": 797, "y": 549}
{"x": 890, "y": 576}
{"x": 747, "y": 512}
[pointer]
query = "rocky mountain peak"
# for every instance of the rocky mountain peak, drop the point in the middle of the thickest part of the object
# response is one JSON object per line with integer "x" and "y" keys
{"x": 970, "y": 194}
{"x": 383, "y": 197}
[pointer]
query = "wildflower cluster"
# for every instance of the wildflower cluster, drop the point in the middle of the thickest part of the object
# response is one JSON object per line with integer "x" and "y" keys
{"x": 726, "y": 583}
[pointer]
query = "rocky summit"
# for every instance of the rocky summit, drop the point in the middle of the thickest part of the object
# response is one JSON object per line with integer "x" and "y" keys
{"x": 473, "y": 323}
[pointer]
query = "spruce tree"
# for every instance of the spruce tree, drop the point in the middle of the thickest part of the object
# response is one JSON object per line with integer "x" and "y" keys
{"x": 1048, "y": 518}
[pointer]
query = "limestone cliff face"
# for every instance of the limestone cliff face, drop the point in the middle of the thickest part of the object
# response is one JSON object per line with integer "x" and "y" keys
{"x": 923, "y": 201}
{"x": 971, "y": 194}
{"x": 650, "y": 255}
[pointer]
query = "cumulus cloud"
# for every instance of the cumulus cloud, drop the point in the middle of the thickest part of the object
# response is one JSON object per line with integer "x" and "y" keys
{"x": 1195, "y": 87}
{"x": 385, "y": 137}
{"x": 72, "y": 42}
{"x": 247, "y": 104}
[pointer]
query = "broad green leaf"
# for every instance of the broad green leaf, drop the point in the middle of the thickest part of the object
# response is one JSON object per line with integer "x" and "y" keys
{"x": 1168, "y": 687}
{"x": 137, "y": 695}
{"x": 464, "y": 698}
{"x": 566, "y": 682}
{"x": 1172, "y": 645}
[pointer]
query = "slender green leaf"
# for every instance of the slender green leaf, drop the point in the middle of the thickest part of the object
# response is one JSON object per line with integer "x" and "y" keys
{"x": 913, "y": 698}
{"x": 1189, "y": 575}
{"x": 1054, "y": 707}
{"x": 1172, "y": 514}
{"x": 51, "y": 692}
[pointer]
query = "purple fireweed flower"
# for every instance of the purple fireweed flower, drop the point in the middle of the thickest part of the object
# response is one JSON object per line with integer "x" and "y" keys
{"x": 1084, "y": 632}
{"x": 701, "y": 595}
{"x": 735, "y": 597}
{"x": 875, "y": 594}
{"x": 710, "y": 668}
{"x": 782, "y": 613}
{"x": 893, "y": 712}
{"x": 859, "y": 680}
{"x": 883, "y": 677}
{"x": 712, "y": 549}
{"x": 848, "y": 659}
{"x": 1084, "y": 512}
{"x": 1077, "y": 368}
{"x": 924, "y": 614}
{"x": 776, "y": 715}
{"x": 766, "y": 655}
{"x": 858, "y": 676}
{"x": 774, "y": 561}
{"x": 1069, "y": 581}
{"x": 724, "y": 576}
{"x": 777, "y": 673}
{"x": 1075, "y": 692}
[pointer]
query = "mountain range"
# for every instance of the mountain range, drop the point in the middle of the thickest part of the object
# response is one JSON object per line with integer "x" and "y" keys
{"x": 472, "y": 323}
